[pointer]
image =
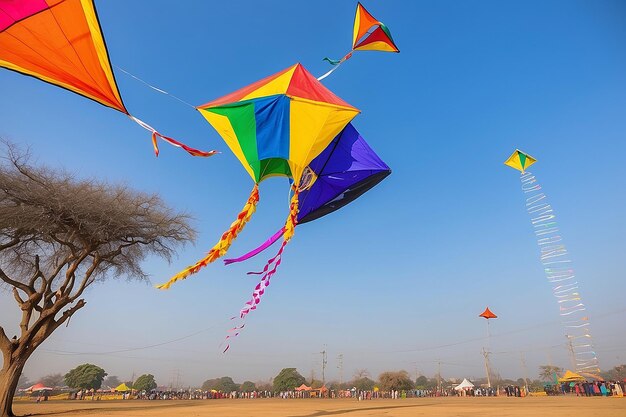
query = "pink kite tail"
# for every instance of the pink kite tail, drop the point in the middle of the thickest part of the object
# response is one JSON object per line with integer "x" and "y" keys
{"x": 269, "y": 242}
{"x": 259, "y": 290}
{"x": 231, "y": 334}
{"x": 269, "y": 262}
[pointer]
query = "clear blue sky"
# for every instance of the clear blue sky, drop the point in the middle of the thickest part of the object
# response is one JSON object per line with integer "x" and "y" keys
{"x": 408, "y": 266}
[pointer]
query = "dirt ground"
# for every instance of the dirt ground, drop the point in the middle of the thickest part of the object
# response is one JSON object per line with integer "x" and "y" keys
{"x": 432, "y": 407}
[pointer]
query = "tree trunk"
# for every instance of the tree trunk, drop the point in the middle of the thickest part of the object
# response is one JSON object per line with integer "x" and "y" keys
{"x": 9, "y": 377}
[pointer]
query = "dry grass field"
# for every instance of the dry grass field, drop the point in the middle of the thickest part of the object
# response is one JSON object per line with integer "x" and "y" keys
{"x": 432, "y": 407}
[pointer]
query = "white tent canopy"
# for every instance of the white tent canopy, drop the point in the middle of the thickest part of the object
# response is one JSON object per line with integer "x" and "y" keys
{"x": 464, "y": 384}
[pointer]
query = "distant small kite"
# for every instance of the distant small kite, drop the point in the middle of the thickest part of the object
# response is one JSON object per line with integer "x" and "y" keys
{"x": 520, "y": 161}
{"x": 487, "y": 314}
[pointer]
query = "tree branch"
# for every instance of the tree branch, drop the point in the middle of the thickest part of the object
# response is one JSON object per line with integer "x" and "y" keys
{"x": 88, "y": 274}
{"x": 70, "y": 277}
{"x": 67, "y": 314}
{"x": 5, "y": 343}
{"x": 9, "y": 244}
{"x": 4, "y": 277}
{"x": 36, "y": 274}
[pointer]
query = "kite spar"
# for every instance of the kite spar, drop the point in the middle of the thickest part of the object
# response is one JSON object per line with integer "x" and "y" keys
{"x": 369, "y": 34}
{"x": 61, "y": 42}
{"x": 557, "y": 265}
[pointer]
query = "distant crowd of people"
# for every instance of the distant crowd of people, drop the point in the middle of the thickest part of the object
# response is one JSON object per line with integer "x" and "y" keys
{"x": 476, "y": 392}
{"x": 590, "y": 389}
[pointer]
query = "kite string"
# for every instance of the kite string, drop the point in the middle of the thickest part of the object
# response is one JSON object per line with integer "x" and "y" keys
{"x": 155, "y": 88}
{"x": 554, "y": 257}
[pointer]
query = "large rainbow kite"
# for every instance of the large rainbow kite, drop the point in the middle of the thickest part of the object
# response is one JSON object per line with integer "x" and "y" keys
{"x": 275, "y": 127}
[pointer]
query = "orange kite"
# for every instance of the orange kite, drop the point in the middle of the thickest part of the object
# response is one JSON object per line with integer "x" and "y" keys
{"x": 488, "y": 314}
{"x": 60, "y": 42}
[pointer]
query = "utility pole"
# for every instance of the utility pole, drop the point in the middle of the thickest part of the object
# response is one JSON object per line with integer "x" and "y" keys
{"x": 486, "y": 355}
{"x": 438, "y": 376}
{"x": 524, "y": 368}
{"x": 175, "y": 379}
{"x": 324, "y": 362}
{"x": 340, "y": 367}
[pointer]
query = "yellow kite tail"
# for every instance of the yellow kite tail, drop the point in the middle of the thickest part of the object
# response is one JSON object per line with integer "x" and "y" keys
{"x": 292, "y": 220}
{"x": 222, "y": 246}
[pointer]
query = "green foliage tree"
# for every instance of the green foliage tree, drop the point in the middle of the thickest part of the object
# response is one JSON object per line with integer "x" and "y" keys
{"x": 145, "y": 382}
{"x": 209, "y": 384}
{"x": 363, "y": 384}
{"x": 288, "y": 379}
{"x": 248, "y": 386}
{"x": 399, "y": 380}
{"x": 421, "y": 382}
{"x": 59, "y": 235}
{"x": 53, "y": 380}
{"x": 546, "y": 372}
{"x": 85, "y": 376}
{"x": 224, "y": 384}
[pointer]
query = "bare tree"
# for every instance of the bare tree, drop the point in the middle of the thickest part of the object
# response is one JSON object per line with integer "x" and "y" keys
{"x": 361, "y": 373}
{"x": 59, "y": 235}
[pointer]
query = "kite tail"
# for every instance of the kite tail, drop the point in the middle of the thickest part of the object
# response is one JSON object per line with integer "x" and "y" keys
{"x": 224, "y": 243}
{"x": 171, "y": 141}
{"x": 272, "y": 265}
{"x": 269, "y": 242}
{"x": 555, "y": 258}
{"x": 335, "y": 63}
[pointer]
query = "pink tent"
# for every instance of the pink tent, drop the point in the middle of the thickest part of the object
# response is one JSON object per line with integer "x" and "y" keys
{"x": 303, "y": 387}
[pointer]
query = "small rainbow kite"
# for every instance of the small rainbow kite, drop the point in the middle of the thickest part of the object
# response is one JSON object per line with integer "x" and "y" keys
{"x": 369, "y": 34}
